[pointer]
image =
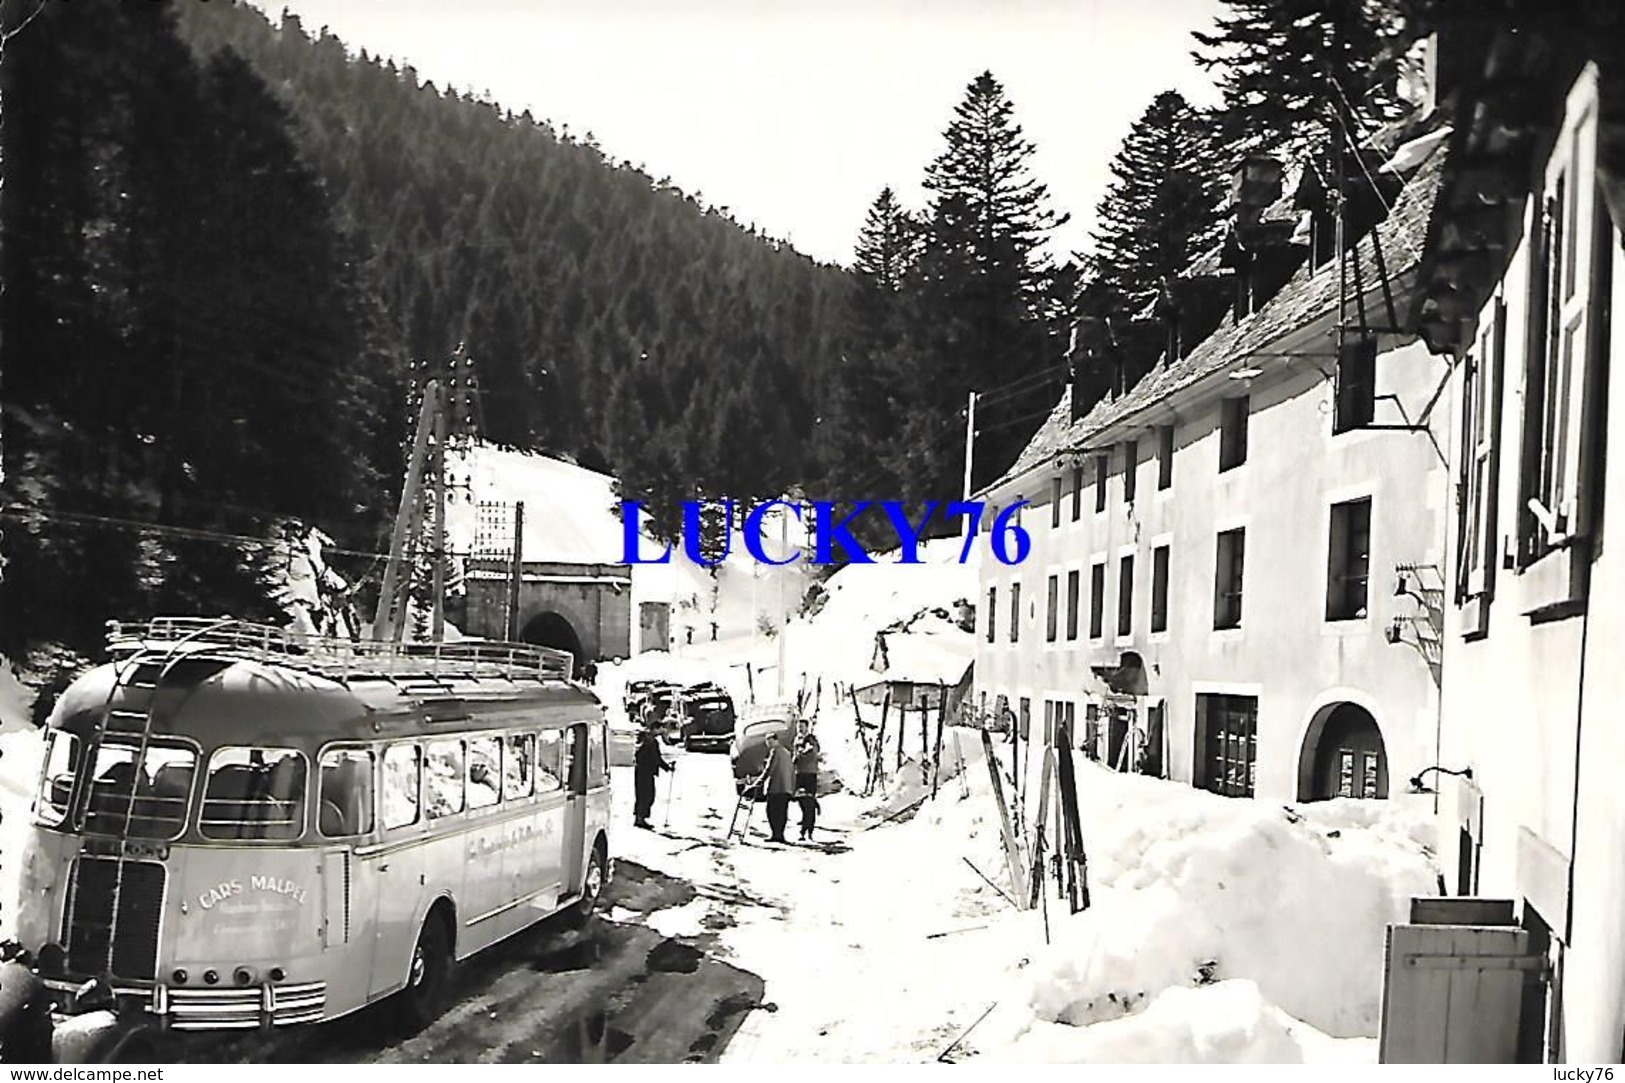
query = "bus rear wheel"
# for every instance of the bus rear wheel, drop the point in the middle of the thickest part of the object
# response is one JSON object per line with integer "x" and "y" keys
{"x": 423, "y": 998}
{"x": 592, "y": 888}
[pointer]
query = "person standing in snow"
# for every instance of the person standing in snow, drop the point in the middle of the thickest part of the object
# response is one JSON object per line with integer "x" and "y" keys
{"x": 777, "y": 781}
{"x": 647, "y": 764}
{"x": 806, "y": 764}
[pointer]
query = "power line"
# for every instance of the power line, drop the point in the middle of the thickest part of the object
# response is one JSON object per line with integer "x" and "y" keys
{"x": 25, "y": 513}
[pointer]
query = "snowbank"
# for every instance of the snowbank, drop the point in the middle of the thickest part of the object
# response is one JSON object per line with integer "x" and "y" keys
{"x": 1226, "y": 1023}
{"x": 21, "y": 750}
{"x": 1190, "y": 887}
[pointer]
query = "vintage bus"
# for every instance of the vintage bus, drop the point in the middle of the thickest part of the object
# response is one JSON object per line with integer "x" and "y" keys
{"x": 238, "y": 826}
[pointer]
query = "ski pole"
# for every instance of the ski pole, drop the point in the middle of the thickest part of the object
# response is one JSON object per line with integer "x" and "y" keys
{"x": 671, "y": 788}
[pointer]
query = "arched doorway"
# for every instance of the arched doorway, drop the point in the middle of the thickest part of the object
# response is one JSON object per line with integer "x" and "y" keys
{"x": 1343, "y": 755}
{"x": 551, "y": 630}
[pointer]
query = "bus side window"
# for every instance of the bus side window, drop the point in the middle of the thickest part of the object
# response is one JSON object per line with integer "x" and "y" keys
{"x": 403, "y": 764}
{"x": 596, "y": 761}
{"x": 576, "y": 758}
{"x": 518, "y": 774}
{"x": 443, "y": 778}
{"x": 346, "y": 795}
{"x": 484, "y": 771}
{"x": 549, "y": 764}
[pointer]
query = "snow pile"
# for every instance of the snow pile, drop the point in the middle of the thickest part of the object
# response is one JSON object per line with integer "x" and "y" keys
{"x": 1191, "y": 888}
{"x": 838, "y": 641}
{"x": 1226, "y": 1023}
{"x": 22, "y": 749}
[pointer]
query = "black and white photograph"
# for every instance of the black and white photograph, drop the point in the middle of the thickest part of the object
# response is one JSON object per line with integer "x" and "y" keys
{"x": 812, "y": 532}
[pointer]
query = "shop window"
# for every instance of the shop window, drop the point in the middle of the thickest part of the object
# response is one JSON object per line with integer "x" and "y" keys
{"x": 1227, "y": 744}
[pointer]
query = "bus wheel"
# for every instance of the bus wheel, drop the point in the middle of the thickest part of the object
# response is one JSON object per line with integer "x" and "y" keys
{"x": 421, "y": 1000}
{"x": 592, "y": 887}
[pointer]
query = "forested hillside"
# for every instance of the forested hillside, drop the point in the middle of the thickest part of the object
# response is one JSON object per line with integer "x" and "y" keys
{"x": 610, "y": 316}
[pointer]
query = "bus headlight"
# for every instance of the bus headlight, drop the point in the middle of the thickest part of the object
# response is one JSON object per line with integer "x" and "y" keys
{"x": 179, "y": 977}
{"x": 210, "y": 977}
{"x": 243, "y": 976}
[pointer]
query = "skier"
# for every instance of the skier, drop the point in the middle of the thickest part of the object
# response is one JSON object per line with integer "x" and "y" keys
{"x": 646, "y": 767}
{"x": 777, "y": 781}
{"x": 806, "y": 764}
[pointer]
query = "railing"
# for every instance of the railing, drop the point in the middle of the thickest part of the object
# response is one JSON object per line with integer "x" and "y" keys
{"x": 341, "y": 658}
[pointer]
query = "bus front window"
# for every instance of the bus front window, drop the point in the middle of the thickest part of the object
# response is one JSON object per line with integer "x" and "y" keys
{"x": 254, "y": 793}
{"x": 149, "y": 803}
{"x": 56, "y": 779}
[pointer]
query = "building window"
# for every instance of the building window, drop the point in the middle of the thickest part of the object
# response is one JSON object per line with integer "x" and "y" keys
{"x": 1227, "y": 579}
{"x": 1563, "y": 260}
{"x": 1077, "y": 493}
{"x": 1015, "y": 612}
{"x": 1131, "y": 467}
{"x": 992, "y": 612}
{"x": 1102, "y": 465}
{"x": 1159, "y": 589}
{"x": 1165, "y": 457}
{"x": 1227, "y": 744}
{"x": 1233, "y": 433}
{"x": 1052, "y": 609}
{"x": 1097, "y": 601}
{"x": 1055, "y": 501}
{"x": 1480, "y": 461}
{"x": 1073, "y": 579}
{"x": 1348, "y": 561}
{"x": 1356, "y": 384}
{"x": 1125, "y": 595}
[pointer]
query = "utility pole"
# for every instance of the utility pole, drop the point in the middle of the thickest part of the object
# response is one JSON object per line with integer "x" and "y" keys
{"x": 970, "y": 452}
{"x": 386, "y": 625}
{"x": 439, "y": 547}
{"x": 515, "y": 574}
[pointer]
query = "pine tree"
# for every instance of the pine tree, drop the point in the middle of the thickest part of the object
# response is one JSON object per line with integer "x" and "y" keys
{"x": 1163, "y": 206}
{"x": 983, "y": 281}
{"x": 1285, "y": 66}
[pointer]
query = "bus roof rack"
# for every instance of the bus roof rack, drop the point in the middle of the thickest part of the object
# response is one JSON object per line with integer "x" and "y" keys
{"x": 337, "y": 657}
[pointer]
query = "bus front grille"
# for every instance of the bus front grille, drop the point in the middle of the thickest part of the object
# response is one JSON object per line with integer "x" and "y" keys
{"x": 133, "y": 930}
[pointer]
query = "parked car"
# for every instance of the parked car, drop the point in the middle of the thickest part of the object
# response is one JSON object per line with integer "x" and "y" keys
{"x": 748, "y": 750}
{"x": 648, "y": 697}
{"x": 708, "y": 717}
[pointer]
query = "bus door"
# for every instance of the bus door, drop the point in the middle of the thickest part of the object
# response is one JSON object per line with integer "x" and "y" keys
{"x": 538, "y": 868}
{"x": 346, "y": 819}
{"x": 393, "y": 869}
{"x": 575, "y": 814}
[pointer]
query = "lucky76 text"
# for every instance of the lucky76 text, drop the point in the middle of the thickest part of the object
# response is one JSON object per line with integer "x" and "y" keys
{"x": 831, "y": 527}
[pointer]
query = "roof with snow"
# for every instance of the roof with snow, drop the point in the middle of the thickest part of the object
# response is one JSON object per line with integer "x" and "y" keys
{"x": 1306, "y": 298}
